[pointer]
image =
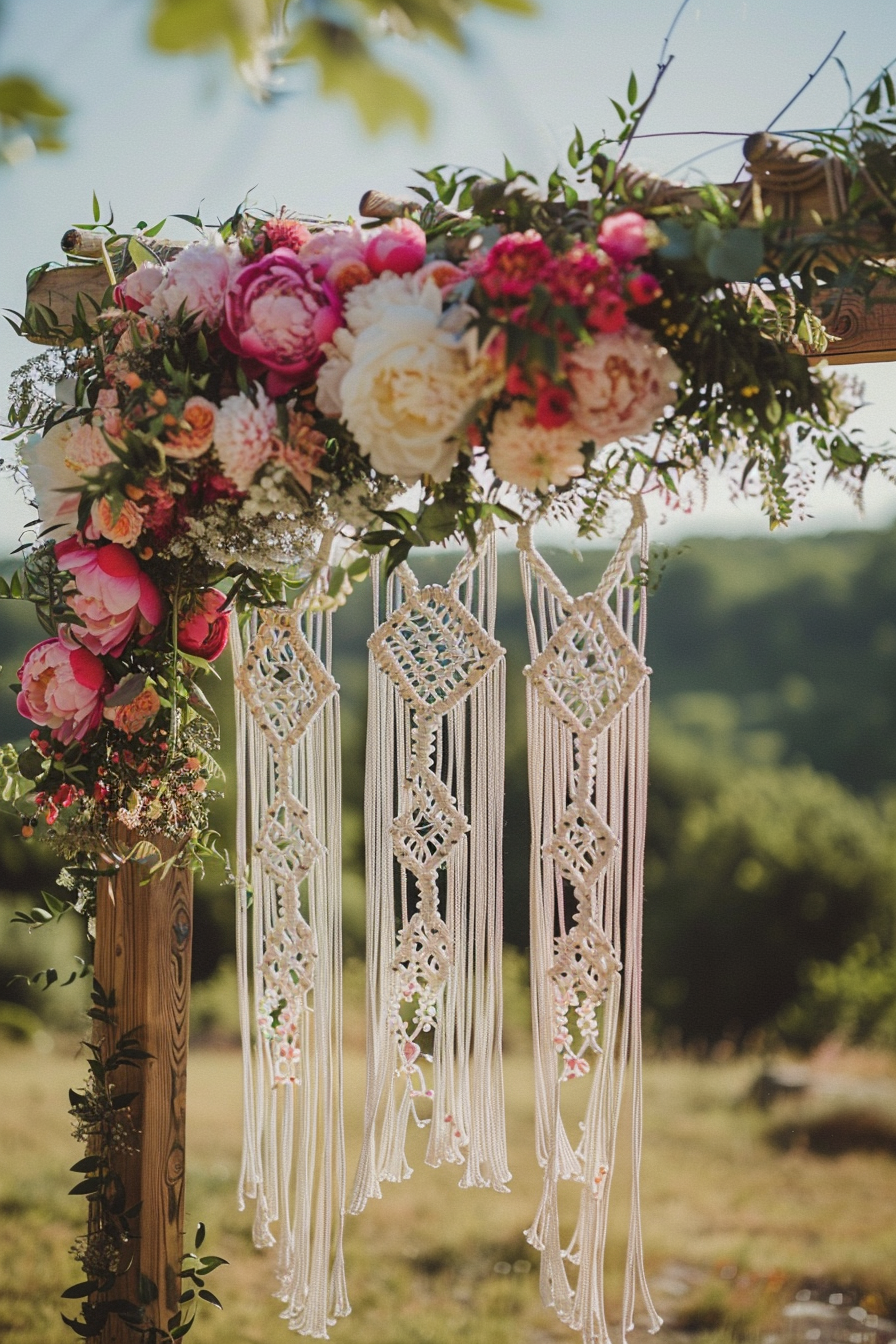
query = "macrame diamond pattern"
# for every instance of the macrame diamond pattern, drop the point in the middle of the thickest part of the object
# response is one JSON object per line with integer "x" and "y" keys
{"x": 422, "y": 836}
{"x": 434, "y": 650}
{"x": 286, "y": 845}
{"x": 284, "y": 682}
{"x": 582, "y": 845}
{"x": 585, "y": 965}
{"x": 589, "y": 669}
{"x": 422, "y": 960}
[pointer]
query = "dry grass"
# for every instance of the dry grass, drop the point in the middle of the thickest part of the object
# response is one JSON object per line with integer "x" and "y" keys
{"x": 430, "y": 1264}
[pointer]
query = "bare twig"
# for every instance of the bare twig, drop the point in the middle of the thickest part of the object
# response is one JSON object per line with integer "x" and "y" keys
{"x": 662, "y": 66}
{"x": 799, "y": 93}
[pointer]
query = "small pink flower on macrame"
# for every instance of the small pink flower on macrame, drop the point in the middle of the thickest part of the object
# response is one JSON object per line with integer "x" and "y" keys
{"x": 575, "y": 1067}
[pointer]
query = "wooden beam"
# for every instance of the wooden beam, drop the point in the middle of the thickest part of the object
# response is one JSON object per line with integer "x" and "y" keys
{"x": 143, "y": 944}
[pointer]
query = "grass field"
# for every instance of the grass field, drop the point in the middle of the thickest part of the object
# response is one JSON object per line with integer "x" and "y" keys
{"x": 734, "y": 1226}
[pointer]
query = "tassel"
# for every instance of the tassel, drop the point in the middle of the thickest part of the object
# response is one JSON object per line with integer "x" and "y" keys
{"x": 587, "y": 705}
{"x": 289, "y": 954}
{"x": 433, "y": 823}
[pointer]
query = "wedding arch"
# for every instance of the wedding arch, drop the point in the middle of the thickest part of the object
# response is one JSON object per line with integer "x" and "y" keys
{"x": 220, "y": 439}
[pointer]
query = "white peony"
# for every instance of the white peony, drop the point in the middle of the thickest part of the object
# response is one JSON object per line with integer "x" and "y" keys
{"x": 530, "y": 455}
{"x": 365, "y": 304}
{"x": 331, "y": 373}
{"x": 244, "y": 436}
{"x": 52, "y": 480}
{"x": 621, "y": 384}
{"x": 408, "y": 386}
{"x": 197, "y": 280}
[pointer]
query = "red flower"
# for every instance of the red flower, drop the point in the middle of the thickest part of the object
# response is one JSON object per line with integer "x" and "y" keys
{"x": 607, "y": 313}
{"x": 514, "y": 266}
{"x": 204, "y": 631}
{"x": 553, "y": 406}
{"x": 286, "y": 233}
{"x": 643, "y": 288}
{"x": 516, "y": 382}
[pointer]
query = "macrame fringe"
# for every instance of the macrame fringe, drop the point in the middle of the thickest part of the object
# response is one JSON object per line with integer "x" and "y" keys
{"x": 289, "y": 955}
{"x": 433, "y": 826}
{"x": 588, "y": 706}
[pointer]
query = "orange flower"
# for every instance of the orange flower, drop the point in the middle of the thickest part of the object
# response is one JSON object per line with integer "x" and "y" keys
{"x": 197, "y": 429}
{"x": 137, "y": 713}
{"x": 125, "y": 529}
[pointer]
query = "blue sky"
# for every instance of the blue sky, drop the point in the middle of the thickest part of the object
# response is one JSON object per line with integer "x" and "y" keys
{"x": 153, "y": 134}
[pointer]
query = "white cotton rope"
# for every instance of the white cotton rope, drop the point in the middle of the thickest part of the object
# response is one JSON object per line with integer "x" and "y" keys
{"x": 587, "y": 706}
{"x": 289, "y": 954}
{"x": 433, "y": 827}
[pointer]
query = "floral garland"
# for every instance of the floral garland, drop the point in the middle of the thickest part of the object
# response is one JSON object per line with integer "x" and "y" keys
{"x": 502, "y": 348}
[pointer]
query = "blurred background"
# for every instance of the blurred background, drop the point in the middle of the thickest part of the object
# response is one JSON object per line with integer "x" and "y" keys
{"x": 770, "y": 932}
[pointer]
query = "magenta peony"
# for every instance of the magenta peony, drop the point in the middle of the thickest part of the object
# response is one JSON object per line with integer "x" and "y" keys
{"x": 624, "y": 237}
{"x": 514, "y": 266}
{"x": 113, "y": 597}
{"x": 205, "y": 630}
{"x": 277, "y": 317}
{"x": 399, "y": 247}
{"x": 62, "y": 689}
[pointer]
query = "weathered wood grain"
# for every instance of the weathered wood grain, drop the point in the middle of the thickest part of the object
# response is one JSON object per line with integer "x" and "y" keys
{"x": 143, "y": 944}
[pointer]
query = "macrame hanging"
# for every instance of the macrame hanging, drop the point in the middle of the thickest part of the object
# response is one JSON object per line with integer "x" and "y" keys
{"x": 289, "y": 953}
{"x": 433, "y": 823}
{"x": 587, "y": 704}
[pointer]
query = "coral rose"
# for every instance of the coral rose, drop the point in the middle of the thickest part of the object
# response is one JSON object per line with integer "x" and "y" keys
{"x": 620, "y": 383}
{"x": 194, "y": 433}
{"x": 304, "y": 448}
{"x": 132, "y": 705}
{"x": 124, "y": 527}
{"x": 113, "y": 597}
{"x": 277, "y": 317}
{"x": 399, "y": 247}
{"x": 205, "y": 629}
{"x": 531, "y": 455}
{"x": 62, "y": 689}
{"x": 337, "y": 256}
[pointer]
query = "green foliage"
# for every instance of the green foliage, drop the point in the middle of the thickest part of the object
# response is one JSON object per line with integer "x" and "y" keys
{"x": 339, "y": 40}
{"x": 31, "y": 118}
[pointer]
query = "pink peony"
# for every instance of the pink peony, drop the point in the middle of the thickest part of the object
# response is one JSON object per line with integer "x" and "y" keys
{"x": 244, "y": 436}
{"x": 621, "y": 383}
{"x": 113, "y": 597}
{"x": 196, "y": 281}
{"x": 531, "y": 455}
{"x": 277, "y": 317}
{"x": 205, "y": 630}
{"x": 62, "y": 689}
{"x": 399, "y": 247}
{"x": 135, "y": 291}
{"x": 624, "y": 237}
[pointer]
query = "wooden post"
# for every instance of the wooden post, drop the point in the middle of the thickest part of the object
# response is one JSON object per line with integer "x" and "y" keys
{"x": 143, "y": 941}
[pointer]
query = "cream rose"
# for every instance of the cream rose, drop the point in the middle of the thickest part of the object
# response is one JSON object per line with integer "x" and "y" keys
{"x": 408, "y": 387}
{"x": 621, "y": 383}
